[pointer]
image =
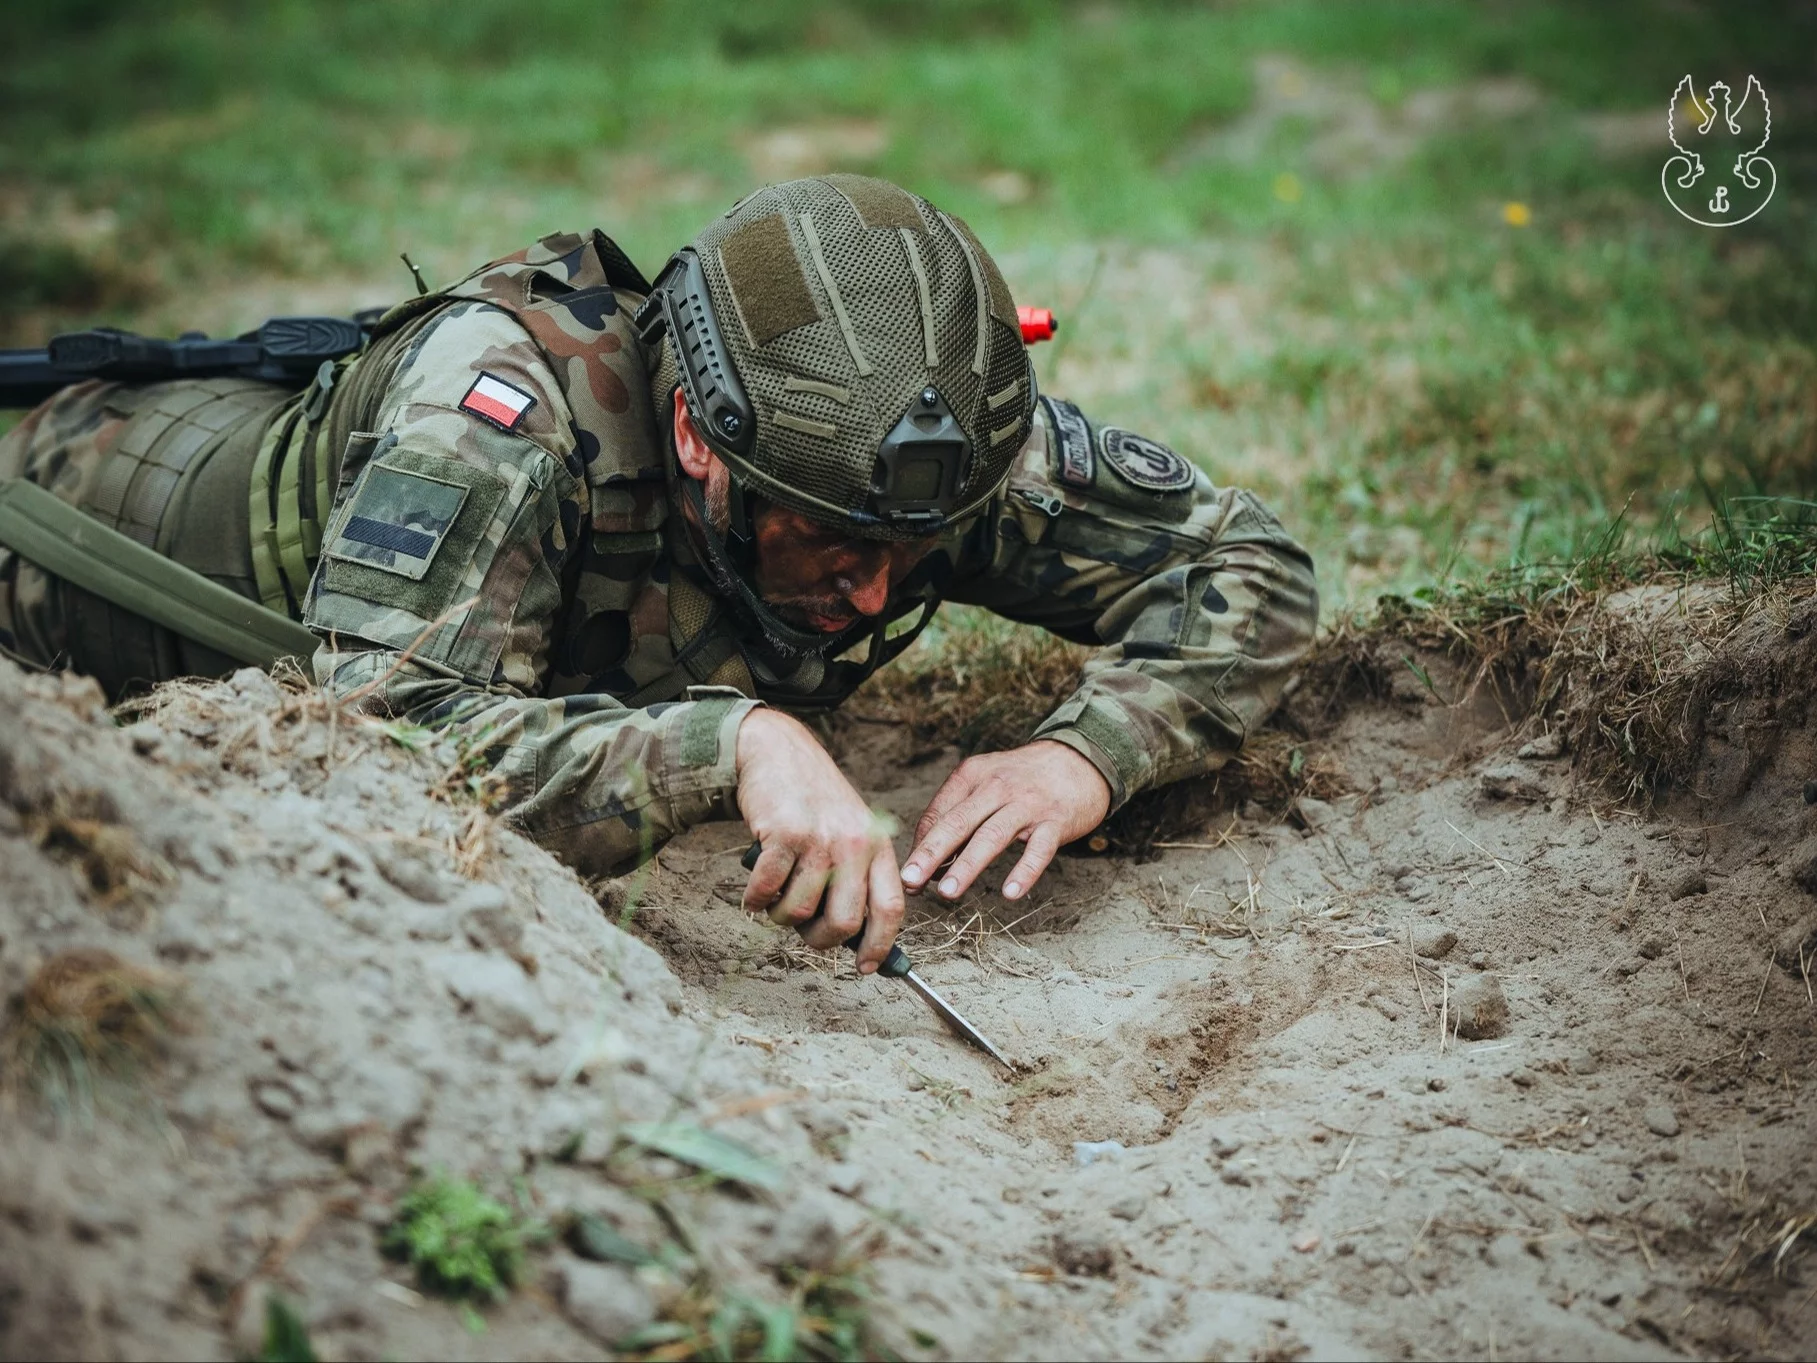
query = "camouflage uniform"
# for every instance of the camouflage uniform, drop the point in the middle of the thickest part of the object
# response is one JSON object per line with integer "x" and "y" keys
{"x": 166, "y": 465}
{"x": 529, "y": 581}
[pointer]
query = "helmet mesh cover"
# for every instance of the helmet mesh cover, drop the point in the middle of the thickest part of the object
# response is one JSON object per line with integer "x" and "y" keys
{"x": 831, "y": 344}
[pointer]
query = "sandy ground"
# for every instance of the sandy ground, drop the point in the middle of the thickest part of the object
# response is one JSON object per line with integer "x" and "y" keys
{"x": 1474, "y": 1064}
{"x": 1309, "y": 1161}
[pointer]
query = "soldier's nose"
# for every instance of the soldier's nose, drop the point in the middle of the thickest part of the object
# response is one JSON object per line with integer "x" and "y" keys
{"x": 867, "y": 594}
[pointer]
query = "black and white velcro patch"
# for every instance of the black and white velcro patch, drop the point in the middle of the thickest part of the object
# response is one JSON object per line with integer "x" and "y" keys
{"x": 1078, "y": 461}
{"x": 1144, "y": 463}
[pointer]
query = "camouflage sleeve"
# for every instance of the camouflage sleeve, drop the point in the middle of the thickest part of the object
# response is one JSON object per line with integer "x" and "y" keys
{"x": 1202, "y": 602}
{"x": 439, "y": 586}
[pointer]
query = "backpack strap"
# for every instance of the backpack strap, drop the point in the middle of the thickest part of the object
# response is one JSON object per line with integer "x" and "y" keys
{"x": 67, "y": 543}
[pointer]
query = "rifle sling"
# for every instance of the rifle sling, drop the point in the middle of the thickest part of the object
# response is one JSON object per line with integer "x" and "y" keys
{"x": 41, "y": 527}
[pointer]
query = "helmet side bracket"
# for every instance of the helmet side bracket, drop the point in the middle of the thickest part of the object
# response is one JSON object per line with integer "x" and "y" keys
{"x": 921, "y": 464}
{"x": 679, "y": 303}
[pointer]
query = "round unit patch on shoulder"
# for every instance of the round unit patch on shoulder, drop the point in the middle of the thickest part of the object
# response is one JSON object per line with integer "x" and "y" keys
{"x": 1144, "y": 463}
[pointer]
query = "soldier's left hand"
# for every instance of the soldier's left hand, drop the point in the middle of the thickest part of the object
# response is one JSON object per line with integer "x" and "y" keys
{"x": 1044, "y": 793}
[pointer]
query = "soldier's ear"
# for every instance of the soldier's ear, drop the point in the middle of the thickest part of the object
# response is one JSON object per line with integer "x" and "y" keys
{"x": 696, "y": 459}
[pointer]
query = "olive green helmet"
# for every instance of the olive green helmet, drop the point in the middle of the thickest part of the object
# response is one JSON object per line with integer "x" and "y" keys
{"x": 851, "y": 353}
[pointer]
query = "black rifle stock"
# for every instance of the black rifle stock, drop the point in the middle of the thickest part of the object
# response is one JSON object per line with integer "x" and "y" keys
{"x": 284, "y": 350}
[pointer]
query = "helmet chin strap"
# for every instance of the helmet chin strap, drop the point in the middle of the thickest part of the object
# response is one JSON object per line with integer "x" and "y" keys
{"x": 729, "y": 575}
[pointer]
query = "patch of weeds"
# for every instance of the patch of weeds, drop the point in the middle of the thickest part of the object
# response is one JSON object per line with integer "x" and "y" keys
{"x": 82, "y": 831}
{"x": 471, "y": 779}
{"x": 412, "y": 738}
{"x": 982, "y": 684}
{"x": 718, "y": 1157}
{"x": 824, "y": 1317}
{"x": 462, "y": 1243}
{"x": 1302, "y": 374}
{"x": 1756, "y": 543}
{"x": 286, "y": 1339}
{"x": 87, "y": 1019}
{"x": 943, "y": 1091}
{"x": 471, "y": 784}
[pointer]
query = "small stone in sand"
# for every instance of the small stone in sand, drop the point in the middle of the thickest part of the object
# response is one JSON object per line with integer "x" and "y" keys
{"x": 605, "y": 1300}
{"x": 1305, "y": 1242}
{"x": 490, "y": 925}
{"x": 498, "y": 995}
{"x": 275, "y": 1099}
{"x": 1802, "y": 865}
{"x": 1129, "y": 1208}
{"x": 1314, "y": 813}
{"x": 1086, "y": 1251}
{"x": 1087, "y": 1153}
{"x": 1544, "y": 748}
{"x": 1434, "y": 940}
{"x": 1795, "y": 943}
{"x": 1480, "y": 1006}
{"x": 1691, "y": 882}
{"x": 1512, "y": 782}
{"x": 1661, "y": 1120}
{"x": 412, "y": 872}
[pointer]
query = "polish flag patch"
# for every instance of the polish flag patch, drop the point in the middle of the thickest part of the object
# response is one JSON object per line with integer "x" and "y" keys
{"x": 497, "y": 401}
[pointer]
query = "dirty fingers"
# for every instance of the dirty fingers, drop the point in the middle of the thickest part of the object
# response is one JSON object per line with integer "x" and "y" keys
{"x": 1044, "y": 794}
{"x": 826, "y": 866}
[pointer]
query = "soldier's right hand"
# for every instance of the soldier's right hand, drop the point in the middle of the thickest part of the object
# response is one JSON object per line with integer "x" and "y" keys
{"x": 826, "y": 855}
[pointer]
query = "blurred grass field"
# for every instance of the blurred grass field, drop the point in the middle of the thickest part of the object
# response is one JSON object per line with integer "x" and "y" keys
{"x": 1404, "y": 268}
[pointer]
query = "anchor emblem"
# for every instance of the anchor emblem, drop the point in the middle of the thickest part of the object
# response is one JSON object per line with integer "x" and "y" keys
{"x": 1720, "y": 204}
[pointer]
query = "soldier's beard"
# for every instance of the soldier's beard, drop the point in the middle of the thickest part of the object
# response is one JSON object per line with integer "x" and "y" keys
{"x": 718, "y": 496}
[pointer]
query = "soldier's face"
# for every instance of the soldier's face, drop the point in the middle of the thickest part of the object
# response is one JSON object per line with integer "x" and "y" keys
{"x": 818, "y": 578}
{"x": 812, "y": 575}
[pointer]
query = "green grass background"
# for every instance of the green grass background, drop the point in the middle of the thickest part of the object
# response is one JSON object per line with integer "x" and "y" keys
{"x": 1421, "y": 389}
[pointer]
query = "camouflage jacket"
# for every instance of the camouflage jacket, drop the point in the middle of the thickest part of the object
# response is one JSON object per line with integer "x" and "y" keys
{"x": 505, "y": 555}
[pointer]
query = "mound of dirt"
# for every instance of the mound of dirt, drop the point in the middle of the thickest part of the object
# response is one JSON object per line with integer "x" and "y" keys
{"x": 1462, "y": 1058}
{"x": 337, "y": 1009}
